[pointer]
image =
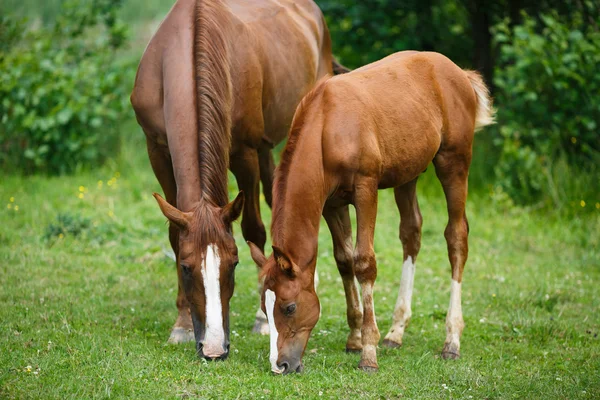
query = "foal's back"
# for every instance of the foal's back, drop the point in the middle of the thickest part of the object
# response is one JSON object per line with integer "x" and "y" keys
{"x": 390, "y": 118}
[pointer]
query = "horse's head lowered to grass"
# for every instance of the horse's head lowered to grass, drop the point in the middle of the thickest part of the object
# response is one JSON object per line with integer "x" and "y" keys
{"x": 290, "y": 301}
{"x": 207, "y": 259}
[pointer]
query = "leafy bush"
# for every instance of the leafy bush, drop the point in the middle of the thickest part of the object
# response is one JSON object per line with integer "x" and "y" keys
{"x": 547, "y": 82}
{"x": 61, "y": 90}
{"x": 67, "y": 224}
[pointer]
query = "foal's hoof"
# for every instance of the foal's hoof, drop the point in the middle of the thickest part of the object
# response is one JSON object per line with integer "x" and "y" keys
{"x": 261, "y": 327}
{"x": 450, "y": 352}
{"x": 370, "y": 369}
{"x": 181, "y": 335}
{"x": 353, "y": 350}
{"x": 389, "y": 343}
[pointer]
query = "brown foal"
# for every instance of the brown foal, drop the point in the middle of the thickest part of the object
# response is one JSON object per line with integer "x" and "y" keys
{"x": 217, "y": 88}
{"x": 374, "y": 128}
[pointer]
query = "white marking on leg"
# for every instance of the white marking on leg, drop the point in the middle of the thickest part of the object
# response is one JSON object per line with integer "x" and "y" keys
{"x": 403, "y": 311}
{"x": 273, "y": 353}
{"x": 454, "y": 318}
{"x": 214, "y": 335}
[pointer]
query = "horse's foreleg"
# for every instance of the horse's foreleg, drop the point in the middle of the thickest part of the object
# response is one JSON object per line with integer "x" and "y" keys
{"x": 182, "y": 330}
{"x": 453, "y": 172}
{"x": 410, "y": 236}
{"x": 338, "y": 221}
{"x": 245, "y": 167}
{"x": 365, "y": 268}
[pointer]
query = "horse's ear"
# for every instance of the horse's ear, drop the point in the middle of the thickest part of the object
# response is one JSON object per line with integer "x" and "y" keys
{"x": 284, "y": 262}
{"x": 232, "y": 211}
{"x": 177, "y": 217}
{"x": 257, "y": 255}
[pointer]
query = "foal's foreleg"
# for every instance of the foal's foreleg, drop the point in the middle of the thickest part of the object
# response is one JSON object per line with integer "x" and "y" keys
{"x": 453, "y": 173}
{"x": 267, "y": 168}
{"x": 365, "y": 268}
{"x": 410, "y": 236}
{"x": 245, "y": 167}
{"x": 338, "y": 221}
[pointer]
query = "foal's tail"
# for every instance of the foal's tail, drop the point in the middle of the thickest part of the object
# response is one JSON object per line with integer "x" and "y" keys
{"x": 485, "y": 111}
{"x": 339, "y": 68}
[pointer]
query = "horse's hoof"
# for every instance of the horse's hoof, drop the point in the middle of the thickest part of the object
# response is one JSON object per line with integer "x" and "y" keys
{"x": 368, "y": 368}
{"x": 181, "y": 335}
{"x": 351, "y": 350}
{"x": 450, "y": 352}
{"x": 261, "y": 327}
{"x": 390, "y": 344}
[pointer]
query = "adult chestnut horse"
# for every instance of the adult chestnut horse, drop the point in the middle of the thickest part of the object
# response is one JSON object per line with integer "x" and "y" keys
{"x": 374, "y": 128}
{"x": 217, "y": 87}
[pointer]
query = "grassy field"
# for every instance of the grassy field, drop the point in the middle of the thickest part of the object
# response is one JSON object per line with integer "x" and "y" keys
{"x": 86, "y": 304}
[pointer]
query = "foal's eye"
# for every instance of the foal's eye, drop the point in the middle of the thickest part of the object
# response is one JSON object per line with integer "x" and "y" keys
{"x": 186, "y": 269}
{"x": 289, "y": 310}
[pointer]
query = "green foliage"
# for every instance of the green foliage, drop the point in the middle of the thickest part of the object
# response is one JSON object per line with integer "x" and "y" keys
{"x": 67, "y": 224}
{"x": 62, "y": 90}
{"x": 547, "y": 83}
{"x": 367, "y": 31}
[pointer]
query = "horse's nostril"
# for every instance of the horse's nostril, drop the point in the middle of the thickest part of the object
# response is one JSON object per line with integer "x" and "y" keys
{"x": 284, "y": 366}
{"x": 300, "y": 368}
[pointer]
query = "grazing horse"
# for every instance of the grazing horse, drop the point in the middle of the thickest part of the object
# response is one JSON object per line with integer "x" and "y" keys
{"x": 217, "y": 88}
{"x": 374, "y": 128}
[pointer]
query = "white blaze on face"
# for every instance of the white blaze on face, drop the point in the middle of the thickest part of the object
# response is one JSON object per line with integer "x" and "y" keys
{"x": 273, "y": 353}
{"x": 214, "y": 336}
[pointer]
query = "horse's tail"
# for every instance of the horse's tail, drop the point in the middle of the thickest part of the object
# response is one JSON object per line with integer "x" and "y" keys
{"x": 485, "y": 114}
{"x": 338, "y": 68}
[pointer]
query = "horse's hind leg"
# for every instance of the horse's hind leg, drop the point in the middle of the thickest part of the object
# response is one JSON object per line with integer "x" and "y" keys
{"x": 245, "y": 167}
{"x": 452, "y": 170}
{"x": 338, "y": 221}
{"x": 410, "y": 236}
{"x": 183, "y": 330}
{"x": 267, "y": 168}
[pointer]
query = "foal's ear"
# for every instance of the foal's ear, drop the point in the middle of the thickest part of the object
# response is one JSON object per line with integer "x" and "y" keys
{"x": 232, "y": 211}
{"x": 179, "y": 218}
{"x": 257, "y": 255}
{"x": 284, "y": 262}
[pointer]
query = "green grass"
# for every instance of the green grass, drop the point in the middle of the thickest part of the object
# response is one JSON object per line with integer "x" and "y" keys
{"x": 91, "y": 313}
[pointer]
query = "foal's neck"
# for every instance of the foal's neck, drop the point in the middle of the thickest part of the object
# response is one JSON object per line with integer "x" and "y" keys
{"x": 300, "y": 195}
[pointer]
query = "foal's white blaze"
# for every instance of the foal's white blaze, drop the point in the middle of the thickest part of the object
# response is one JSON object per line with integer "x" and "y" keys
{"x": 454, "y": 319}
{"x": 273, "y": 355}
{"x": 214, "y": 336}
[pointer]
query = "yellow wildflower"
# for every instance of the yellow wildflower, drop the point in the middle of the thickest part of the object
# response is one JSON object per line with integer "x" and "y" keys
{"x": 28, "y": 368}
{"x": 61, "y": 235}
{"x": 12, "y": 199}
{"x": 82, "y": 189}
{"x": 573, "y": 139}
{"x": 80, "y": 195}
{"x": 598, "y": 206}
{"x": 16, "y": 208}
{"x": 111, "y": 213}
{"x": 100, "y": 183}
{"x": 582, "y": 203}
{"x": 9, "y": 206}
{"x": 117, "y": 174}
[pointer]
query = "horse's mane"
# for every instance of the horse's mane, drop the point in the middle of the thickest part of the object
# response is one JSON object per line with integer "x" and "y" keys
{"x": 213, "y": 100}
{"x": 282, "y": 171}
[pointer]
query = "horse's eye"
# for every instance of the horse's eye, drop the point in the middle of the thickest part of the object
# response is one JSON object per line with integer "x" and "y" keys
{"x": 186, "y": 269}
{"x": 289, "y": 310}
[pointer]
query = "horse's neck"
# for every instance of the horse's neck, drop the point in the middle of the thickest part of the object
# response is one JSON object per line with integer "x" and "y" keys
{"x": 213, "y": 98}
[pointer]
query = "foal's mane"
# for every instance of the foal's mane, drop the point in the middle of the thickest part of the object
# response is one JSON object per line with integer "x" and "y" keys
{"x": 213, "y": 99}
{"x": 282, "y": 171}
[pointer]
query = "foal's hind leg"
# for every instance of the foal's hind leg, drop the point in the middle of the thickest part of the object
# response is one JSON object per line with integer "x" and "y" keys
{"x": 245, "y": 167}
{"x": 452, "y": 171}
{"x": 183, "y": 330}
{"x": 410, "y": 236}
{"x": 338, "y": 220}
